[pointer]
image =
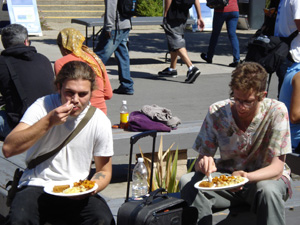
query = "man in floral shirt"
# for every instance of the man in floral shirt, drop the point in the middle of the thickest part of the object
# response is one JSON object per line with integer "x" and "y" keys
{"x": 252, "y": 135}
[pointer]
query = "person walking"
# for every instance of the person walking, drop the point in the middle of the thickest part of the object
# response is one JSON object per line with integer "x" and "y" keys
{"x": 174, "y": 22}
{"x": 230, "y": 15}
{"x": 114, "y": 39}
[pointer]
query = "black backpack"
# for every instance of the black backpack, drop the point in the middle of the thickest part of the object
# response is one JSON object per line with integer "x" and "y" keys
{"x": 127, "y": 8}
{"x": 269, "y": 51}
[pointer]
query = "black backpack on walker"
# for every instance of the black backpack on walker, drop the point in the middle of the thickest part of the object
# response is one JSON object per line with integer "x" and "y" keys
{"x": 266, "y": 49}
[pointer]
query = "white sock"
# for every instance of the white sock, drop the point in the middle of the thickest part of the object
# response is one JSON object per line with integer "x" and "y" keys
{"x": 191, "y": 67}
{"x": 171, "y": 69}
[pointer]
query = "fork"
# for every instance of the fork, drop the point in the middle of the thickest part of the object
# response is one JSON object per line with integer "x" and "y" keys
{"x": 209, "y": 178}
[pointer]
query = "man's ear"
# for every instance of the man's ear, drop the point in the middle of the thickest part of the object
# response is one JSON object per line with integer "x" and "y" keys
{"x": 264, "y": 95}
{"x": 27, "y": 42}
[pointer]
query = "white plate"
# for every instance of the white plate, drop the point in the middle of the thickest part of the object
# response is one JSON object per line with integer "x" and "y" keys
{"x": 220, "y": 188}
{"x": 49, "y": 189}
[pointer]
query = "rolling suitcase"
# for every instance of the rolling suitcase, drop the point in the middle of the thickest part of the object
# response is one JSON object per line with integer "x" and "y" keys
{"x": 157, "y": 208}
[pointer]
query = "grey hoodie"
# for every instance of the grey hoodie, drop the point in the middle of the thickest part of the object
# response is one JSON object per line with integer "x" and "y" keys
{"x": 111, "y": 15}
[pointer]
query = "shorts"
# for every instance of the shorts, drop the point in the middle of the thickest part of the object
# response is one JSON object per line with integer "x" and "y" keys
{"x": 175, "y": 36}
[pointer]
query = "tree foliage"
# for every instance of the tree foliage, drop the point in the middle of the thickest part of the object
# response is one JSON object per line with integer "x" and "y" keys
{"x": 150, "y": 8}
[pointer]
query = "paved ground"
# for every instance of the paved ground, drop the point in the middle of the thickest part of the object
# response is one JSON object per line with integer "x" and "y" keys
{"x": 187, "y": 101}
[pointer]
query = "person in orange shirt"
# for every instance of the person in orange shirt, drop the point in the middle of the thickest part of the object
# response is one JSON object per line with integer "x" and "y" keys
{"x": 70, "y": 42}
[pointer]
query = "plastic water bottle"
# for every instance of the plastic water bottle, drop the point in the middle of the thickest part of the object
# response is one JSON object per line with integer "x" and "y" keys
{"x": 139, "y": 179}
{"x": 124, "y": 115}
{"x": 194, "y": 27}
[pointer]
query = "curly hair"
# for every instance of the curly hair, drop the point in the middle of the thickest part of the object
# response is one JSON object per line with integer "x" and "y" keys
{"x": 249, "y": 76}
{"x": 75, "y": 70}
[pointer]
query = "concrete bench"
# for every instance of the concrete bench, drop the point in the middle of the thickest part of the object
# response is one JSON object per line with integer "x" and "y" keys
{"x": 183, "y": 137}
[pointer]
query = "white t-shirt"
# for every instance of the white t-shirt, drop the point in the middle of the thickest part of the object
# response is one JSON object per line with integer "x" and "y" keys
{"x": 73, "y": 161}
{"x": 288, "y": 11}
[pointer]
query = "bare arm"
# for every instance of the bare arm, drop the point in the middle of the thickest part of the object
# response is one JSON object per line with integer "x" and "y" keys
{"x": 23, "y": 136}
{"x": 167, "y": 6}
{"x": 271, "y": 172}
{"x": 295, "y": 100}
{"x": 200, "y": 21}
{"x": 103, "y": 172}
{"x": 206, "y": 165}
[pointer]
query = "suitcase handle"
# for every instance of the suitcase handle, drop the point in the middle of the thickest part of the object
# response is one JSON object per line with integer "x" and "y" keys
{"x": 155, "y": 194}
{"x": 133, "y": 140}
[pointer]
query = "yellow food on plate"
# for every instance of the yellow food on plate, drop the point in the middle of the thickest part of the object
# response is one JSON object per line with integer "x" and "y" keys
{"x": 81, "y": 186}
{"x": 222, "y": 181}
{"x": 206, "y": 184}
{"x": 88, "y": 184}
{"x": 60, "y": 188}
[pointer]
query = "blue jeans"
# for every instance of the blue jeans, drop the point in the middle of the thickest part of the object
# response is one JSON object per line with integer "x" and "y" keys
{"x": 5, "y": 129}
{"x": 231, "y": 19}
{"x": 116, "y": 44}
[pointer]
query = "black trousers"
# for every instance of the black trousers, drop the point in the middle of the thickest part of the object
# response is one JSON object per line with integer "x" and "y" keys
{"x": 32, "y": 205}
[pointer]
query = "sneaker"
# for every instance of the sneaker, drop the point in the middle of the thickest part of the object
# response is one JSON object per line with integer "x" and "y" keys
{"x": 122, "y": 91}
{"x": 167, "y": 73}
{"x": 204, "y": 57}
{"x": 192, "y": 75}
{"x": 234, "y": 64}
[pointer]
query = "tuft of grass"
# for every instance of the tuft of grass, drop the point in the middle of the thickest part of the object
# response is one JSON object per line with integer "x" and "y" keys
{"x": 44, "y": 24}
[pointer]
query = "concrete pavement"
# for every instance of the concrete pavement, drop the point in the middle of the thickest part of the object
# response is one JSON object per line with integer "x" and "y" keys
{"x": 187, "y": 101}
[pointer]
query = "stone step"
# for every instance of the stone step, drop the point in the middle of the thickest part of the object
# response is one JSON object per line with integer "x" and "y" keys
{"x": 64, "y": 10}
{"x": 71, "y": 2}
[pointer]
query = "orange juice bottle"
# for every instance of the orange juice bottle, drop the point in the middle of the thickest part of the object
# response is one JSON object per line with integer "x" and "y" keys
{"x": 124, "y": 115}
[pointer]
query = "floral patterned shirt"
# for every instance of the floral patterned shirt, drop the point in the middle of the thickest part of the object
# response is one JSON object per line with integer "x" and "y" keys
{"x": 267, "y": 136}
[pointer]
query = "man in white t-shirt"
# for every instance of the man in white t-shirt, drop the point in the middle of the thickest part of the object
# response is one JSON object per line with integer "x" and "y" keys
{"x": 288, "y": 21}
{"x": 44, "y": 126}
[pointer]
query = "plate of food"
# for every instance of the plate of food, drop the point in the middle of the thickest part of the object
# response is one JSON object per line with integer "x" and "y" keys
{"x": 69, "y": 188}
{"x": 222, "y": 182}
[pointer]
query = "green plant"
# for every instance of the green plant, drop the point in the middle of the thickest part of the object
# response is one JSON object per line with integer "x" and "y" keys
{"x": 150, "y": 8}
{"x": 166, "y": 169}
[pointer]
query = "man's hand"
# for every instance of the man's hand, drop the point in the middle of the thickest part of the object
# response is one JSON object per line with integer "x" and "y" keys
{"x": 242, "y": 174}
{"x": 60, "y": 114}
{"x": 200, "y": 24}
{"x": 107, "y": 34}
{"x": 205, "y": 165}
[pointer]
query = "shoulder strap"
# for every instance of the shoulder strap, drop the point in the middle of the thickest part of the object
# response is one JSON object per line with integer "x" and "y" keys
{"x": 33, "y": 163}
{"x": 17, "y": 83}
{"x": 293, "y": 35}
{"x": 290, "y": 38}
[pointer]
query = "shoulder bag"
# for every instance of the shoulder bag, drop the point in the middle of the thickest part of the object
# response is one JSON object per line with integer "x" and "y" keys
{"x": 13, "y": 184}
{"x": 216, "y": 4}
